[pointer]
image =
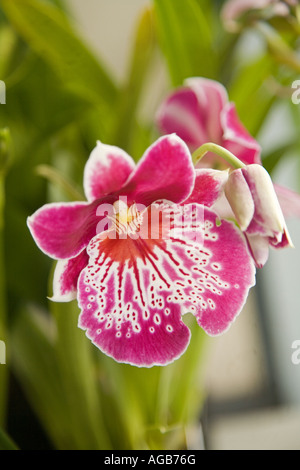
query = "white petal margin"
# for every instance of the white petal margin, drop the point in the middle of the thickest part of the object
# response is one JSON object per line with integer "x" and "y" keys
{"x": 60, "y": 294}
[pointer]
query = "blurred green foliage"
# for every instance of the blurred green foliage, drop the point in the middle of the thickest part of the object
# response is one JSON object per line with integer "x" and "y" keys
{"x": 60, "y": 100}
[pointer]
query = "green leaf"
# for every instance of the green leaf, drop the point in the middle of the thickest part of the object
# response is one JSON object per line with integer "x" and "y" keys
{"x": 47, "y": 31}
{"x": 130, "y": 97}
{"x": 250, "y": 92}
{"x": 186, "y": 38}
{"x": 55, "y": 364}
{"x": 7, "y": 43}
{"x": 79, "y": 379}
{"x": 5, "y": 150}
{"x": 6, "y": 443}
{"x": 155, "y": 406}
{"x": 58, "y": 180}
{"x": 35, "y": 365}
{"x": 270, "y": 160}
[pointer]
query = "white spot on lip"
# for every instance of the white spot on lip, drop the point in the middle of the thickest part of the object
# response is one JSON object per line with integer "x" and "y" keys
{"x": 136, "y": 327}
{"x": 157, "y": 319}
{"x": 216, "y": 266}
{"x": 146, "y": 315}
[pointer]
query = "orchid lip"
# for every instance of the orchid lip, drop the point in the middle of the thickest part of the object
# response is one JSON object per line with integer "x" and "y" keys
{"x": 135, "y": 291}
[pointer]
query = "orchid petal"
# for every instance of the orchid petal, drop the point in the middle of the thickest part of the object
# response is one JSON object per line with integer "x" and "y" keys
{"x": 209, "y": 186}
{"x": 227, "y": 272}
{"x": 233, "y": 10}
{"x": 199, "y": 112}
{"x": 66, "y": 276}
{"x": 193, "y": 111}
{"x": 179, "y": 113}
{"x": 268, "y": 214}
{"x": 134, "y": 291}
{"x": 240, "y": 198}
{"x": 212, "y": 97}
{"x": 236, "y": 138}
{"x": 223, "y": 208}
{"x": 259, "y": 249}
{"x": 165, "y": 171}
{"x": 62, "y": 230}
{"x": 289, "y": 201}
{"x": 282, "y": 241}
{"x": 253, "y": 200}
{"x": 106, "y": 171}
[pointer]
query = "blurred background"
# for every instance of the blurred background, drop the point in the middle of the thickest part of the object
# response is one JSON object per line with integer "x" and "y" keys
{"x": 250, "y": 384}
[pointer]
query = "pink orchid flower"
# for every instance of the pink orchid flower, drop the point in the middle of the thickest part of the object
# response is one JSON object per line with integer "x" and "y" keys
{"x": 234, "y": 10}
{"x": 200, "y": 112}
{"x": 134, "y": 285}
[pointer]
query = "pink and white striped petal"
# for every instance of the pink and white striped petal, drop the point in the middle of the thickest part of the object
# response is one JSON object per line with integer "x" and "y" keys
{"x": 62, "y": 230}
{"x": 66, "y": 275}
{"x": 106, "y": 170}
{"x": 209, "y": 186}
{"x": 134, "y": 291}
{"x": 165, "y": 171}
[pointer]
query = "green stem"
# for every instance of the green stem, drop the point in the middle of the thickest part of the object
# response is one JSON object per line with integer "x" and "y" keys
{"x": 201, "y": 151}
{"x": 297, "y": 12}
{"x": 279, "y": 49}
{"x": 53, "y": 176}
